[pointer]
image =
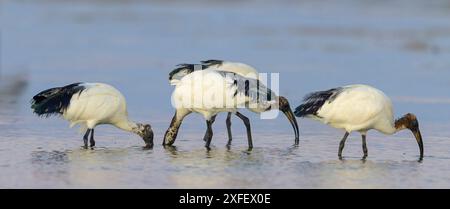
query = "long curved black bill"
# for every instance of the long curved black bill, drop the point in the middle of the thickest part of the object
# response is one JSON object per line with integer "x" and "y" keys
{"x": 290, "y": 116}
{"x": 418, "y": 136}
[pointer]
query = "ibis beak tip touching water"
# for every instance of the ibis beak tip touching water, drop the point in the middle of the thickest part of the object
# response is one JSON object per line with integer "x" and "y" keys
{"x": 286, "y": 109}
{"x": 410, "y": 122}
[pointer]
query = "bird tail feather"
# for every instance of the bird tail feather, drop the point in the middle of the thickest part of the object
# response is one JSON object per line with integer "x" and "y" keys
{"x": 313, "y": 102}
{"x": 55, "y": 101}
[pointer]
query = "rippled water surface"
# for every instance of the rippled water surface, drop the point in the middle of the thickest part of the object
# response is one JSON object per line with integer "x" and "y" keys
{"x": 402, "y": 47}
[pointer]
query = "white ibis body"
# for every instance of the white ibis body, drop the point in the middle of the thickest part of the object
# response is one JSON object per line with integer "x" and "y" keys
{"x": 241, "y": 69}
{"x": 89, "y": 105}
{"x": 211, "y": 91}
{"x": 357, "y": 108}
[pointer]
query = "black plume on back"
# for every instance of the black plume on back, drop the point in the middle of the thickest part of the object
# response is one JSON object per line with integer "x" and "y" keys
{"x": 209, "y": 63}
{"x": 55, "y": 100}
{"x": 185, "y": 69}
{"x": 314, "y": 101}
{"x": 189, "y": 68}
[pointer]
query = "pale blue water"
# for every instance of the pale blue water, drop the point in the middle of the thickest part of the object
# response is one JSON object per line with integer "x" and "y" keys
{"x": 401, "y": 47}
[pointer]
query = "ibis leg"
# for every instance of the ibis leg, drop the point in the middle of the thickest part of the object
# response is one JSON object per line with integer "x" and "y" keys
{"x": 364, "y": 146}
{"x": 230, "y": 137}
{"x": 172, "y": 131}
{"x": 247, "y": 126}
{"x": 205, "y": 138}
{"x": 209, "y": 132}
{"x": 342, "y": 144}
{"x": 85, "y": 138}
{"x": 92, "y": 141}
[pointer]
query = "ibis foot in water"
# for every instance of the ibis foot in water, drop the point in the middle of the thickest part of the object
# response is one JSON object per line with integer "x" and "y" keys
{"x": 212, "y": 120}
{"x": 364, "y": 145}
{"x": 85, "y": 138}
{"x": 209, "y": 132}
{"x": 230, "y": 137}
{"x": 92, "y": 141}
{"x": 249, "y": 131}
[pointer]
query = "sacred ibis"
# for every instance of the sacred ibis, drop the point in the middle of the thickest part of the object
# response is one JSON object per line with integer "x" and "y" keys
{"x": 211, "y": 91}
{"x": 89, "y": 105}
{"x": 357, "y": 108}
{"x": 220, "y": 65}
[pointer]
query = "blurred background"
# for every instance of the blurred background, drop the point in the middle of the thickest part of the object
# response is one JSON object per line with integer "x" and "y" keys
{"x": 399, "y": 46}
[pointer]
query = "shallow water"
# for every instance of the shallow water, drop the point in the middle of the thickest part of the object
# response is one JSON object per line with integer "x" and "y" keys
{"x": 312, "y": 44}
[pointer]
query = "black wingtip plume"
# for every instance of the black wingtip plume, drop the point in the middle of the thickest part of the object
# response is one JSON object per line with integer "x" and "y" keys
{"x": 211, "y": 62}
{"x": 54, "y": 101}
{"x": 314, "y": 101}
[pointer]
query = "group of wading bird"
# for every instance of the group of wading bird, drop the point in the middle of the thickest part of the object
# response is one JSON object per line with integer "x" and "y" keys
{"x": 351, "y": 108}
